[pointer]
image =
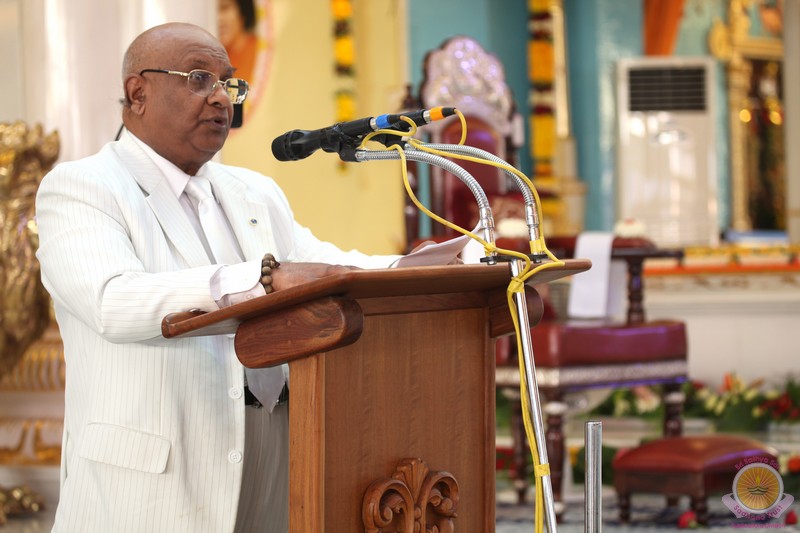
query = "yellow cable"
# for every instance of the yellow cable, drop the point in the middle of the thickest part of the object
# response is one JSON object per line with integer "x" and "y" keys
{"x": 526, "y": 420}
{"x": 489, "y": 248}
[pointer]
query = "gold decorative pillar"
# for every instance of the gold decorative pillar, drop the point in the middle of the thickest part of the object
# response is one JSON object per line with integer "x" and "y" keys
{"x": 344, "y": 54}
{"x": 739, "y": 71}
{"x": 732, "y": 44}
{"x": 541, "y": 75}
{"x": 723, "y": 40}
{"x": 552, "y": 146}
{"x": 571, "y": 190}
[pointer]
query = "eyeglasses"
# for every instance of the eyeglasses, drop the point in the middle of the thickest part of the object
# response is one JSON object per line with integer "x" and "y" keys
{"x": 204, "y": 83}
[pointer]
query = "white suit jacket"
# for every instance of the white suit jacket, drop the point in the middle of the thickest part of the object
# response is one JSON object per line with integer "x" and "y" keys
{"x": 154, "y": 428}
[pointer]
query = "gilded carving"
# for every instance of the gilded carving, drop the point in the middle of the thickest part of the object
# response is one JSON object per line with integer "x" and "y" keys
{"x": 26, "y": 154}
{"x": 413, "y": 500}
{"x": 41, "y": 368}
{"x": 30, "y": 441}
{"x": 16, "y": 433}
{"x": 45, "y": 452}
{"x": 19, "y": 501}
{"x": 21, "y": 446}
{"x": 28, "y": 361}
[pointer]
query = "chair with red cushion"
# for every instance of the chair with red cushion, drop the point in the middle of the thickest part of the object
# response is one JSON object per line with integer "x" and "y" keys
{"x": 461, "y": 74}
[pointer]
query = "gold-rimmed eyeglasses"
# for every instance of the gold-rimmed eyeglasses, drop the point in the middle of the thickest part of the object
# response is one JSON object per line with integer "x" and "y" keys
{"x": 204, "y": 83}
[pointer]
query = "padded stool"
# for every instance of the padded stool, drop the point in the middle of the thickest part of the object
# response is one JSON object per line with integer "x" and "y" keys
{"x": 694, "y": 466}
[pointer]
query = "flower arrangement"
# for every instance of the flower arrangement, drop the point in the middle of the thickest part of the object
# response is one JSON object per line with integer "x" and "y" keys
{"x": 782, "y": 406}
{"x": 734, "y": 406}
{"x": 643, "y": 402}
{"x": 688, "y": 520}
{"x": 630, "y": 227}
{"x": 790, "y": 472}
{"x": 344, "y": 53}
{"x": 541, "y": 77}
{"x": 344, "y": 56}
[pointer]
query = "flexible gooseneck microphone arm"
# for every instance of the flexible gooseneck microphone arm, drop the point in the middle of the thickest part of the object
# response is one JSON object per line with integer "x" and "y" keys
{"x": 484, "y": 210}
{"x": 531, "y": 212}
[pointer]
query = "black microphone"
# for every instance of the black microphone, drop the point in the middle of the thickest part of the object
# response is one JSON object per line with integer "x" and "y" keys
{"x": 299, "y": 144}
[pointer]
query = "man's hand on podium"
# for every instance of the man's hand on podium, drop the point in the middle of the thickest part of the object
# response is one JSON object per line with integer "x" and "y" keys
{"x": 292, "y": 274}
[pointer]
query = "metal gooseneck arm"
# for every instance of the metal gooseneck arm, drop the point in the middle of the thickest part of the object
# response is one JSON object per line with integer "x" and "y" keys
{"x": 484, "y": 210}
{"x": 531, "y": 213}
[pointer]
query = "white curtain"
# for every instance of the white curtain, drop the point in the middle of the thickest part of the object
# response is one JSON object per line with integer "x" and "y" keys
{"x": 71, "y": 62}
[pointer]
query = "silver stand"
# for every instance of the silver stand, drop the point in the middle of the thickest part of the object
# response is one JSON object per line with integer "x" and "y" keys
{"x": 533, "y": 400}
{"x": 593, "y": 482}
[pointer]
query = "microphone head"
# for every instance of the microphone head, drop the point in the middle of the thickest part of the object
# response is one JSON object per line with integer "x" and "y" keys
{"x": 283, "y": 149}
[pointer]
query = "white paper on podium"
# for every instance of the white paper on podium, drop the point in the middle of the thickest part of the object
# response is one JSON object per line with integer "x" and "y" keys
{"x": 600, "y": 291}
{"x": 435, "y": 253}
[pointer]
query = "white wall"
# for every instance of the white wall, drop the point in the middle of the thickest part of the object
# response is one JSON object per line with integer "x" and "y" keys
{"x": 62, "y": 61}
{"x": 748, "y": 324}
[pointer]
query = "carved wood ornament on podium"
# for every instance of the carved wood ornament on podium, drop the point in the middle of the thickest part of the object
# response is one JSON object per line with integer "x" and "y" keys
{"x": 413, "y": 499}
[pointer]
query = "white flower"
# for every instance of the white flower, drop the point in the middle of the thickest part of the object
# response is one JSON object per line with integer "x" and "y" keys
{"x": 629, "y": 228}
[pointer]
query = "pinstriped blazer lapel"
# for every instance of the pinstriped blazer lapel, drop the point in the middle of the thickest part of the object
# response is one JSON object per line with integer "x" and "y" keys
{"x": 249, "y": 218}
{"x": 176, "y": 226}
{"x": 163, "y": 203}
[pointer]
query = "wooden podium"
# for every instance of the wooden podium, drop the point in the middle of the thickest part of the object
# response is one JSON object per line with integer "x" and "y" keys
{"x": 392, "y": 410}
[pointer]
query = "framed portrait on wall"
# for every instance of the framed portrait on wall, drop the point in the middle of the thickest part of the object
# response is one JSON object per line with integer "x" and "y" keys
{"x": 244, "y": 28}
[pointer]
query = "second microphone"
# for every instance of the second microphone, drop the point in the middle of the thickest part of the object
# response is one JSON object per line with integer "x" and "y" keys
{"x": 299, "y": 144}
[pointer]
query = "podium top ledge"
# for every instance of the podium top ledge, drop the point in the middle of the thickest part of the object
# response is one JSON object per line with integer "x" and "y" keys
{"x": 357, "y": 284}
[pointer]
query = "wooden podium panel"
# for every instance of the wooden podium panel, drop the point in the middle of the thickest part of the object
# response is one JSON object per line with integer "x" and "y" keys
{"x": 392, "y": 409}
{"x": 437, "y": 405}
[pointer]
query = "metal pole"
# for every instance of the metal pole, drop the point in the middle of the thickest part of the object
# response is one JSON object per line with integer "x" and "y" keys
{"x": 533, "y": 401}
{"x": 593, "y": 483}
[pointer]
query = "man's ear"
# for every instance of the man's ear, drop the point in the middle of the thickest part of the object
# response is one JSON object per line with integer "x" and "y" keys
{"x": 135, "y": 94}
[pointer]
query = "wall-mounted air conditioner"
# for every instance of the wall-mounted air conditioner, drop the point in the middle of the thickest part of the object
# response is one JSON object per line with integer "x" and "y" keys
{"x": 666, "y": 159}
